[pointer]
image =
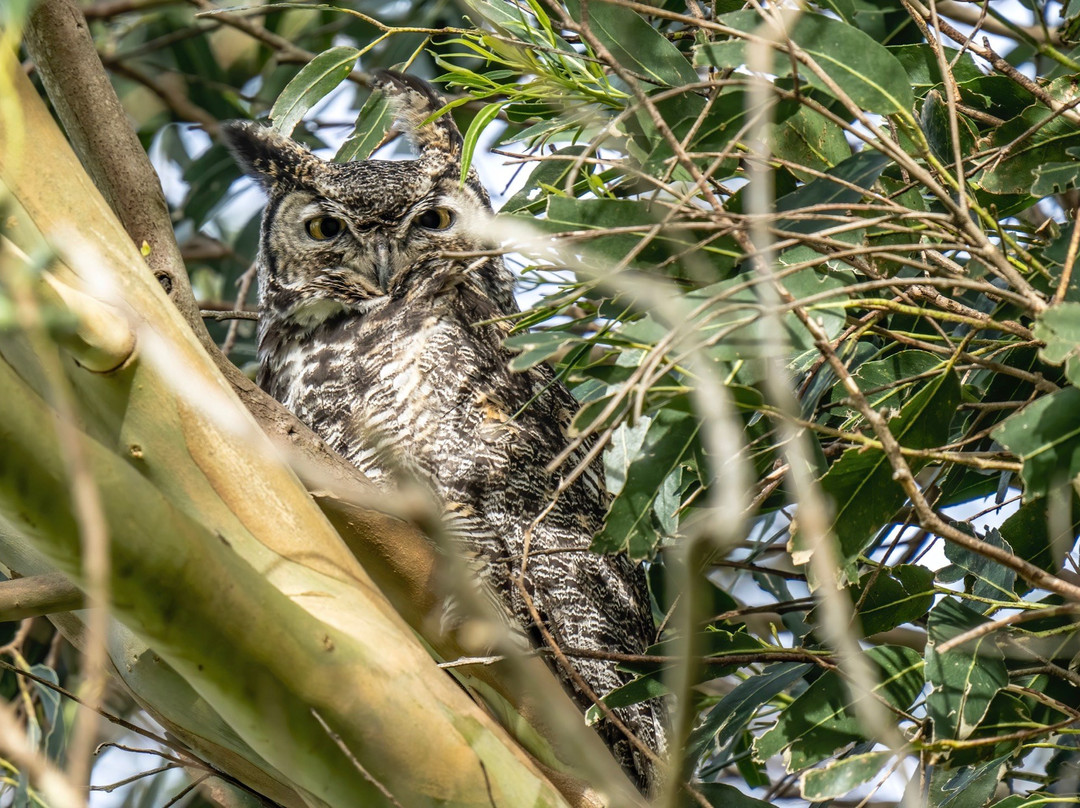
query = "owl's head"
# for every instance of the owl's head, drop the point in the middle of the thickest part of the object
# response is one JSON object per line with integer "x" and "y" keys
{"x": 340, "y": 237}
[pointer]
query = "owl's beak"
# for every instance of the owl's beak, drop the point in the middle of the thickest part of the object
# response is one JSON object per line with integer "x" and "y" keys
{"x": 383, "y": 267}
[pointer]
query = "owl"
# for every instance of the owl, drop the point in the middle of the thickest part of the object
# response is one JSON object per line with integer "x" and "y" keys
{"x": 382, "y": 330}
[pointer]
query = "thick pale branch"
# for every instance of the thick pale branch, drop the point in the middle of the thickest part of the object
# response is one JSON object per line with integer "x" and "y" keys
{"x": 37, "y": 595}
{"x": 59, "y": 42}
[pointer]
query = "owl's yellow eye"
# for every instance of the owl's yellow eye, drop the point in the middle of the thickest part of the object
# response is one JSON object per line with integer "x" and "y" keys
{"x": 436, "y": 218}
{"x": 324, "y": 228}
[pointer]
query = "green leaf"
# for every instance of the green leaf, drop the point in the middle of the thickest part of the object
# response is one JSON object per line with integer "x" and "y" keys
{"x": 565, "y": 214}
{"x": 1028, "y": 532}
{"x": 701, "y": 127}
{"x": 886, "y": 382}
{"x": 55, "y": 737}
{"x": 822, "y": 719}
{"x": 374, "y": 121}
{"x": 861, "y": 482}
{"x": 1036, "y": 799}
{"x": 893, "y": 597}
{"x": 1053, "y": 178}
{"x": 636, "y": 691}
{"x": 921, "y": 65}
{"x": 936, "y": 125}
{"x": 966, "y": 678}
{"x": 629, "y": 523}
{"x": 1045, "y": 435}
{"x": 550, "y": 173}
{"x": 208, "y": 178}
{"x": 668, "y": 502}
{"x": 634, "y": 43}
{"x": 841, "y": 776}
{"x": 536, "y": 347}
{"x": 964, "y": 786}
{"x": 729, "y": 313}
{"x": 862, "y": 68}
{"x": 313, "y": 83}
{"x": 208, "y": 83}
{"x": 844, "y": 184}
{"x": 811, "y": 141}
{"x": 991, "y": 579}
{"x": 1044, "y": 138}
{"x": 479, "y": 123}
{"x": 716, "y": 600}
{"x": 1070, "y": 27}
{"x": 996, "y": 94}
{"x": 727, "y": 719}
{"x": 603, "y": 213}
{"x": 713, "y": 643}
{"x": 1059, "y": 327}
{"x": 623, "y": 448}
{"x": 752, "y": 773}
{"x": 721, "y": 795}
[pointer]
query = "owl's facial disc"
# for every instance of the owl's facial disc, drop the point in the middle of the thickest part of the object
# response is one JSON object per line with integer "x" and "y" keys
{"x": 360, "y": 235}
{"x": 315, "y": 258}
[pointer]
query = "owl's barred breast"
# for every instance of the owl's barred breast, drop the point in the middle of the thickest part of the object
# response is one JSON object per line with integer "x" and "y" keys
{"x": 420, "y": 389}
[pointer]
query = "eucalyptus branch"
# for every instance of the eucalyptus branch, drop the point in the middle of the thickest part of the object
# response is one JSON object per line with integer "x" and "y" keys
{"x": 67, "y": 61}
{"x": 21, "y": 598}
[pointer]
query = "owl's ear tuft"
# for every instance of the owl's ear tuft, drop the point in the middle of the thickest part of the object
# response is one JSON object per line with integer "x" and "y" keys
{"x": 267, "y": 155}
{"x": 414, "y": 101}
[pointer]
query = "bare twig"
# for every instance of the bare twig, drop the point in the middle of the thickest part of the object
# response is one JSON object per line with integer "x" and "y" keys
{"x": 1002, "y": 622}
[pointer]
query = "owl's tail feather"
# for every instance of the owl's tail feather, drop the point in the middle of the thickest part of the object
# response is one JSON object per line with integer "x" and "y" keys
{"x": 648, "y": 722}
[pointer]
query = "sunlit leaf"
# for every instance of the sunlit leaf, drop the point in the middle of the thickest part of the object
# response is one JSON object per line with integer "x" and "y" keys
{"x": 863, "y": 69}
{"x": 1059, "y": 329}
{"x": 536, "y": 346}
{"x": 634, "y": 42}
{"x": 479, "y": 123}
{"x": 311, "y": 85}
{"x": 964, "y": 679}
{"x": 633, "y": 692}
{"x": 372, "y": 124}
{"x": 1045, "y": 435}
{"x": 841, "y": 776}
{"x": 629, "y": 525}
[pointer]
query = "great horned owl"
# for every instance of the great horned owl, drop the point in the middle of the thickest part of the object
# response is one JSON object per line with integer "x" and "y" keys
{"x": 391, "y": 349}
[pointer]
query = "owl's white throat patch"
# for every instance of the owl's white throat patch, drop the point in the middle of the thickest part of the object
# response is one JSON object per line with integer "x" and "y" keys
{"x": 315, "y": 311}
